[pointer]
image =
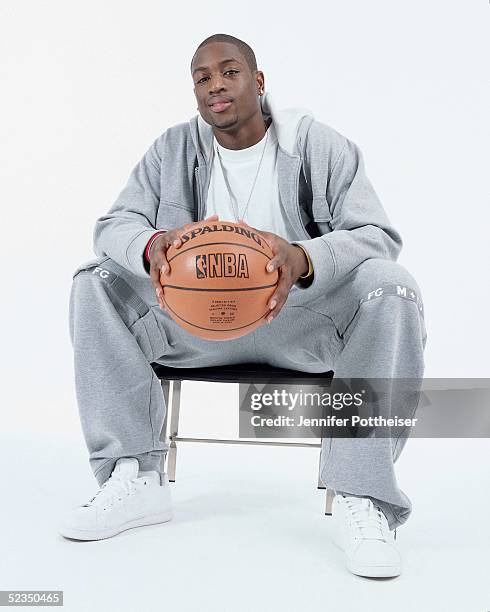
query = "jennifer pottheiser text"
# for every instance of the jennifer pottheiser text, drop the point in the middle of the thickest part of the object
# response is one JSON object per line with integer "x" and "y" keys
{"x": 331, "y": 421}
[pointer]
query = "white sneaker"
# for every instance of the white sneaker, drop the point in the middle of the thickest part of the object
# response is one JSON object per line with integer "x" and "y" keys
{"x": 124, "y": 501}
{"x": 362, "y": 532}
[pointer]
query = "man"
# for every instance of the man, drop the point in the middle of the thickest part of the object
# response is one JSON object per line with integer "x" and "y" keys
{"x": 338, "y": 304}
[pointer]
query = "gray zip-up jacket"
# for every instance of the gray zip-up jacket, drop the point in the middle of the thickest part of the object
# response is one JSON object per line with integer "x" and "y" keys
{"x": 326, "y": 195}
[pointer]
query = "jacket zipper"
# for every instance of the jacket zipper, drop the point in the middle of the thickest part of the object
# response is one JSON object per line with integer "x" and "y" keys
{"x": 197, "y": 174}
{"x": 297, "y": 206}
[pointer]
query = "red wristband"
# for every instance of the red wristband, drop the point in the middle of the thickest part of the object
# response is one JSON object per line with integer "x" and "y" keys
{"x": 150, "y": 242}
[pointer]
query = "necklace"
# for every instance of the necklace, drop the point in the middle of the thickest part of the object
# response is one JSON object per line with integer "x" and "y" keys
{"x": 233, "y": 201}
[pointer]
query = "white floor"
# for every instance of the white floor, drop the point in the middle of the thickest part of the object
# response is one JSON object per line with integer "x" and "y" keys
{"x": 249, "y": 533}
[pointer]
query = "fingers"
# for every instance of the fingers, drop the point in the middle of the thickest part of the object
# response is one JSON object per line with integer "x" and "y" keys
{"x": 281, "y": 292}
{"x": 276, "y": 262}
{"x": 273, "y": 240}
{"x": 161, "y": 266}
{"x": 155, "y": 279}
{"x": 177, "y": 242}
{"x": 158, "y": 254}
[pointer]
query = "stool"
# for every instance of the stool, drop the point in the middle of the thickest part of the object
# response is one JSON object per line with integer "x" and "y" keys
{"x": 171, "y": 380}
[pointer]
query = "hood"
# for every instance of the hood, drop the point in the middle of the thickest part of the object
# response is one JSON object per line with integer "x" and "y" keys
{"x": 286, "y": 123}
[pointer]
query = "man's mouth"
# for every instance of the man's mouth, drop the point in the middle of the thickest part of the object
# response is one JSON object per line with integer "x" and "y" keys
{"x": 219, "y": 107}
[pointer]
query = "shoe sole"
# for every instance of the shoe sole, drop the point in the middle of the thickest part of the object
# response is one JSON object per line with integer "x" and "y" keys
{"x": 82, "y": 534}
{"x": 379, "y": 571}
{"x": 370, "y": 571}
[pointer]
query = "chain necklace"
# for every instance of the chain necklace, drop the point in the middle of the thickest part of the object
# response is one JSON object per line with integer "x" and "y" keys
{"x": 233, "y": 202}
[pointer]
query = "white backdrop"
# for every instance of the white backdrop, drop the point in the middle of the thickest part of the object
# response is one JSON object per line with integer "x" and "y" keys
{"x": 86, "y": 88}
{"x": 89, "y": 86}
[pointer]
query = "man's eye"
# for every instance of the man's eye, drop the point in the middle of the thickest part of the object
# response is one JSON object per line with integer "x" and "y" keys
{"x": 231, "y": 70}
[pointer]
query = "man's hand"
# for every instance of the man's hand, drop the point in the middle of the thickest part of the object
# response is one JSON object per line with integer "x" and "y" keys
{"x": 290, "y": 261}
{"x": 158, "y": 255}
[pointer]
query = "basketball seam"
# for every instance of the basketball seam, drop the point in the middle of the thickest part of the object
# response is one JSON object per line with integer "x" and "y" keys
{"x": 210, "y": 289}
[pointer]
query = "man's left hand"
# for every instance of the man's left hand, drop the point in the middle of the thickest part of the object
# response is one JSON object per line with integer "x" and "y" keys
{"x": 291, "y": 263}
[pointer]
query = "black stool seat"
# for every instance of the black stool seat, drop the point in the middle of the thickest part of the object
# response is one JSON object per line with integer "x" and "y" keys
{"x": 243, "y": 372}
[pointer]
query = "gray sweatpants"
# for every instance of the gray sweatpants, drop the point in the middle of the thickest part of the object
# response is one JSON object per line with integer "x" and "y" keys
{"x": 369, "y": 325}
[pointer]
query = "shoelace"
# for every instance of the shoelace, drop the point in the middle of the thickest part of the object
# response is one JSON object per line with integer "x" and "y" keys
{"x": 371, "y": 520}
{"x": 115, "y": 488}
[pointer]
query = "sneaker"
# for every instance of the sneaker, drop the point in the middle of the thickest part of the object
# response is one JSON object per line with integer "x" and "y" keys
{"x": 128, "y": 499}
{"x": 362, "y": 532}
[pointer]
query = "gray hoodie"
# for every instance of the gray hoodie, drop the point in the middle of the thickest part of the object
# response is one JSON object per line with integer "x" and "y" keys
{"x": 326, "y": 195}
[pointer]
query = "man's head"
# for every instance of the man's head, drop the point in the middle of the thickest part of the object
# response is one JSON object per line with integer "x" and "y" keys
{"x": 227, "y": 84}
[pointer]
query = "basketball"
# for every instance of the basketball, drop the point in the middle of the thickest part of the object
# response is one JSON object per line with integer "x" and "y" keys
{"x": 218, "y": 286}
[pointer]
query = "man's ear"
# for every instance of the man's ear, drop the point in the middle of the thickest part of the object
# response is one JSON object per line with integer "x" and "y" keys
{"x": 260, "y": 80}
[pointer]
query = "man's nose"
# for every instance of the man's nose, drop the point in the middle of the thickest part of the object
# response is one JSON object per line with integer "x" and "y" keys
{"x": 216, "y": 83}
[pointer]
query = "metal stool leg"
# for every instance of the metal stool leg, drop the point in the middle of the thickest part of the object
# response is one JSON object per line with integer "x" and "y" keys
{"x": 330, "y": 492}
{"x": 320, "y": 484}
{"x": 328, "y": 502}
{"x": 174, "y": 429}
{"x": 163, "y": 434}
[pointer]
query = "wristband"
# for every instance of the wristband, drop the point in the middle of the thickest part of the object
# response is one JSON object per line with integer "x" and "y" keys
{"x": 150, "y": 242}
{"x": 310, "y": 263}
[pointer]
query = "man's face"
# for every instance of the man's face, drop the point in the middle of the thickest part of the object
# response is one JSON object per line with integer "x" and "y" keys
{"x": 225, "y": 88}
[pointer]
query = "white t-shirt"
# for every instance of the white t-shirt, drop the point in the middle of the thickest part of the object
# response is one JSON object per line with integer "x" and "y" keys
{"x": 265, "y": 211}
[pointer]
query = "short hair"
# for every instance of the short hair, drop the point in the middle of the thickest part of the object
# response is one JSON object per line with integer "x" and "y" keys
{"x": 245, "y": 49}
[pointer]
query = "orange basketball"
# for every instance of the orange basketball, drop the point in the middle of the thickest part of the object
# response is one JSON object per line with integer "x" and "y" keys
{"x": 218, "y": 286}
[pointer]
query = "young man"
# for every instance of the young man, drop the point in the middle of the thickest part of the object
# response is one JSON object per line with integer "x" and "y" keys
{"x": 338, "y": 305}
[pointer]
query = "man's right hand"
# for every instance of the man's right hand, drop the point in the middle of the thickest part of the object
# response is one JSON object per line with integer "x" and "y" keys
{"x": 158, "y": 255}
